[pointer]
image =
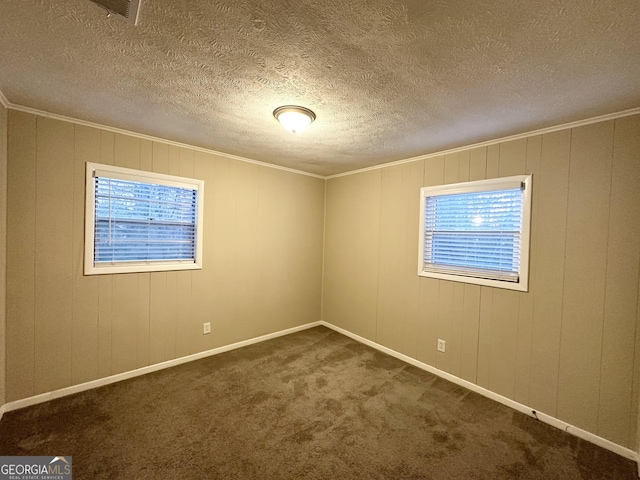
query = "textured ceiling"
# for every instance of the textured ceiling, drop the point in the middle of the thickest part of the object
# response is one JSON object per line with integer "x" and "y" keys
{"x": 388, "y": 80}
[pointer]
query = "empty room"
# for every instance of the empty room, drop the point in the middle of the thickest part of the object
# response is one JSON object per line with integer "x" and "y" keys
{"x": 320, "y": 240}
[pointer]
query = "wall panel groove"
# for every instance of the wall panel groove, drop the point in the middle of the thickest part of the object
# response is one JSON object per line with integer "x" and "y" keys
{"x": 568, "y": 346}
{"x": 64, "y": 328}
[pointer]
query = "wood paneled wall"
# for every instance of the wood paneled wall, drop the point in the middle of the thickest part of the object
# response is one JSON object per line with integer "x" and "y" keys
{"x": 3, "y": 250}
{"x": 261, "y": 272}
{"x": 567, "y": 347}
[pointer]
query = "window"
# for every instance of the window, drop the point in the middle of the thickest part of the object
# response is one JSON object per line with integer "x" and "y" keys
{"x": 141, "y": 221}
{"x": 477, "y": 232}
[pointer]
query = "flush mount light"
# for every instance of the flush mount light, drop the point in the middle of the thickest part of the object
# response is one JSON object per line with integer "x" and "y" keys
{"x": 294, "y": 118}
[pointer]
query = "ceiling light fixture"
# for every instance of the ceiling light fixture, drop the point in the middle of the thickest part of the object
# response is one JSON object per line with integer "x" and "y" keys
{"x": 294, "y": 118}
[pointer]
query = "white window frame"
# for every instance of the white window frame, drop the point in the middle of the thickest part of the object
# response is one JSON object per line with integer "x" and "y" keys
{"x": 90, "y": 268}
{"x": 493, "y": 184}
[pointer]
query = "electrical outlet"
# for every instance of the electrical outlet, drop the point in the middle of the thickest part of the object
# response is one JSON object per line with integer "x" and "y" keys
{"x": 441, "y": 345}
{"x": 206, "y": 328}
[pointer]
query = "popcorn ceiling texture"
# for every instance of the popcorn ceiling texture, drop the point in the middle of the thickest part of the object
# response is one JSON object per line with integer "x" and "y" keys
{"x": 388, "y": 80}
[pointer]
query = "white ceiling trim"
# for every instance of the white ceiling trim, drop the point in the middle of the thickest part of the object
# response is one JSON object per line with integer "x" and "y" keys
{"x": 542, "y": 131}
{"x": 142, "y": 136}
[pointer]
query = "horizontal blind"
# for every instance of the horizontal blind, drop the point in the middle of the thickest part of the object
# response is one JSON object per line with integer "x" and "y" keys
{"x": 136, "y": 221}
{"x": 474, "y": 234}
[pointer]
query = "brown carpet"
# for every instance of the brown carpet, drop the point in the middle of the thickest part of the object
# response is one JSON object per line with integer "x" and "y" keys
{"x": 312, "y": 405}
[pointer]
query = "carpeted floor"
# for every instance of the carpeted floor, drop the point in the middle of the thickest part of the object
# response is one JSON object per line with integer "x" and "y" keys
{"x": 312, "y": 405}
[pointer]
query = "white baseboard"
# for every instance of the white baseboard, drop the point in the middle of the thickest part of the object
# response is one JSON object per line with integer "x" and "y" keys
{"x": 63, "y": 392}
{"x": 578, "y": 432}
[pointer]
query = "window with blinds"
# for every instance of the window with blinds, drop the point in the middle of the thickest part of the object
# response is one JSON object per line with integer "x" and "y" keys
{"x": 477, "y": 232}
{"x": 141, "y": 221}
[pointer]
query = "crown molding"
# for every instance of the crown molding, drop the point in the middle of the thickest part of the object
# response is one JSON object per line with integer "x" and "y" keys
{"x": 77, "y": 121}
{"x": 519, "y": 136}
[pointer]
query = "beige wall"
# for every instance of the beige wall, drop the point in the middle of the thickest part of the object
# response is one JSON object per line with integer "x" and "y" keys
{"x": 566, "y": 347}
{"x": 3, "y": 248}
{"x": 569, "y": 347}
{"x": 261, "y": 273}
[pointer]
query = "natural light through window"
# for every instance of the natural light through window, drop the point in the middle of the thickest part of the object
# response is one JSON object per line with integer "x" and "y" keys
{"x": 140, "y": 221}
{"x": 477, "y": 232}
